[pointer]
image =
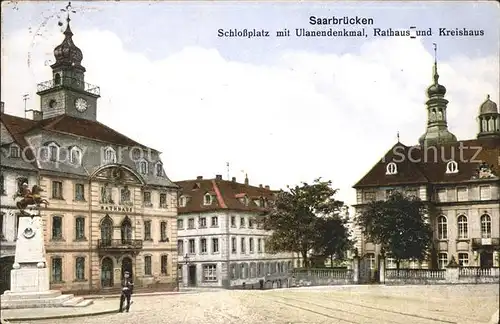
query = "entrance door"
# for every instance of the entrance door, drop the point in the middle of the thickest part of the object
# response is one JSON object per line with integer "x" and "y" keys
{"x": 192, "y": 275}
{"x": 5, "y": 267}
{"x": 127, "y": 266}
{"x": 486, "y": 259}
{"x": 107, "y": 273}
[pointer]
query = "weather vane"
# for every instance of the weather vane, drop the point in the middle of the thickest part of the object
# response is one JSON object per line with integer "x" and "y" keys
{"x": 398, "y": 136}
{"x": 67, "y": 10}
{"x": 435, "y": 51}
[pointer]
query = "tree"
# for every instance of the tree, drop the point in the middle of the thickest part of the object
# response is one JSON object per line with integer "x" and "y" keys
{"x": 294, "y": 218}
{"x": 400, "y": 224}
{"x": 334, "y": 237}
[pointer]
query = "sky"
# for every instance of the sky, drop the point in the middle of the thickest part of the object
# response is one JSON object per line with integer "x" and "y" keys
{"x": 281, "y": 109}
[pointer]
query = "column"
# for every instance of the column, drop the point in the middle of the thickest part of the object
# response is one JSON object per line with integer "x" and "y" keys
{"x": 355, "y": 269}
{"x": 382, "y": 268}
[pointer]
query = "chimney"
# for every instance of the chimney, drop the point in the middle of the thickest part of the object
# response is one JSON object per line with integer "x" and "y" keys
{"x": 199, "y": 178}
{"x": 246, "y": 179}
{"x": 260, "y": 186}
{"x": 233, "y": 179}
{"x": 2, "y": 107}
{"x": 37, "y": 115}
{"x": 267, "y": 187}
{"x": 218, "y": 177}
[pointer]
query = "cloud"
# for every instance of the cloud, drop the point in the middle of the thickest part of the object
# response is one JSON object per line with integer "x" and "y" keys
{"x": 302, "y": 116}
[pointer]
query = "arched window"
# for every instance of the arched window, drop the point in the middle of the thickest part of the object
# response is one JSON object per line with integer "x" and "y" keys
{"x": 75, "y": 156}
{"x": 143, "y": 167}
{"x": 462, "y": 227}
{"x": 485, "y": 226}
{"x": 107, "y": 230}
{"x": 53, "y": 150}
{"x": 452, "y": 167}
{"x": 159, "y": 169}
{"x": 57, "y": 79}
{"x": 207, "y": 199}
{"x": 15, "y": 152}
{"x": 442, "y": 226}
{"x": 391, "y": 168}
{"x": 109, "y": 155}
{"x": 182, "y": 201}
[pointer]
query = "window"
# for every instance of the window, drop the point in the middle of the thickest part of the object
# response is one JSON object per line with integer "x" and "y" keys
{"x": 462, "y": 194}
{"x": 390, "y": 263}
{"x": 369, "y": 196}
{"x": 250, "y": 223}
{"x": 209, "y": 272}
{"x": 485, "y": 226}
{"x": 80, "y": 268}
{"x": 215, "y": 245}
{"x": 215, "y": 221}
{"x": 442, "y": 228}
{"x": 15, "y": 152}
{"x": 147, "y": 230}
{"x": 233, "y": 221}
{"x": 203, "y": 245}
{"x": 147, "y": 198}
{"x": 192, "y": 248}
{"x": 233, "y": 244}
{"x": 441, "y": 195}
{"x": 391, "y": 168}
{"x": 412, "y": 193}
{"x": 125, "y": 195}
{"x": 462, "y": 227}
{"x": 207, "y": 199}
{"x": 414, "y": 264}
{"x": 180, "y": 247}
{"x": 57, "y": 190}
{"x": 442, "y": 260}
{"x": 203, "y": 222}
{"x": 164, "y": 265}
{"x": 250, "y": 245}
{"x": 180, "y": 224}
{"x": 75, "y": 156}
{"x": 163, "y": 232}
{"x": 2, "y": 236}
{"x": 109, "y": 155}
{"x": 57, "y": 228}
{"x": 80, "y": 228}
{"x": 56, "y": 269}
{"x": 159, "y": 169}
{"x": 54, "y": 153}
{"x": 2, "y": 185}
{"x": 484, "y": 193}
{"x": 182, "y": 201}
{"x": 163, "y": 200}
{"x": 452, "y": 167}
{"x": 79, "y": 192}
{"x": 242, "y": 222}
{"x": 147, "y": 265}
{"x": 371, "y": 258}
{"x": 259, "y": 245}
{"x": 463, "y": 259}
{"x": 143, "y": 167}
{"x": 242, "y": 245}
{"x": 191, "y": 223}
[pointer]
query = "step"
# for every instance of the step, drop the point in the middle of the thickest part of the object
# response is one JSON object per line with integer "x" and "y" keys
{"x": 77, "y": 302}
{"x": 36, "y": 303}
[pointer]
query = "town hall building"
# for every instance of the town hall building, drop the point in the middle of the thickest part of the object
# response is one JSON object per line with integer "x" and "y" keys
{"x": 111, "y": 206}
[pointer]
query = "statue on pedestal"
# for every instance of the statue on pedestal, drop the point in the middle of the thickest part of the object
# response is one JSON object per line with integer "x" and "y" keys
{"x": 30, "y": 198}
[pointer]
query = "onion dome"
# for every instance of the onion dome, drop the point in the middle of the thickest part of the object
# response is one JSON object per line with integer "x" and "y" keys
{"x": 436, "y": 89}
{"x": 488, "y": 107}
{"x": 67, "y": 53}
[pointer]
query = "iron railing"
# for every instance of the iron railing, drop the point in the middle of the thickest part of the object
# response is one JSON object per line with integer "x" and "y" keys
{"x": 71, "y": 83}
{"x": 483, "y": 242}
{"x": 119, "y": 244}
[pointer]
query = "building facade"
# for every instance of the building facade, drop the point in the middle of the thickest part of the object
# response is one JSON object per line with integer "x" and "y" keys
{"x": 111, "y": 206}
{"x": 460, "y": 178}
{"x": 220, "y": 243}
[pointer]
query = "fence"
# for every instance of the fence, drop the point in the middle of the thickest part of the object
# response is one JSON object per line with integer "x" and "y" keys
{"x": 322, "y": 277}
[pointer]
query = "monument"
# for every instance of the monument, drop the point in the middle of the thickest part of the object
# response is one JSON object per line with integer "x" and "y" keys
{"x": 30, "y": 277}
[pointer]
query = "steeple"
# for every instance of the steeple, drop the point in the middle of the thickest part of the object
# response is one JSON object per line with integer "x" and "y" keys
{"x": 437, "y": 132}
{"x": 67, "y": 54}
{"x": 489, "y": 120}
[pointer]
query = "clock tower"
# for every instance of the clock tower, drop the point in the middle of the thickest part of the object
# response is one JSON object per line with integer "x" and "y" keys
{"x": 68, "y": 93}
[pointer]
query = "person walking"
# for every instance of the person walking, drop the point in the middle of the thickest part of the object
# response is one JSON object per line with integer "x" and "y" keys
{"x": 127, "y": 288}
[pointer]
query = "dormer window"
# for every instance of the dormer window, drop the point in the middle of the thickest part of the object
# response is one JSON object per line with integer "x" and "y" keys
{"x": 15, "y": 152}
{"x": 53, "y": 152}
{"x": 109, "y": 155}
{"x": 159, "y": 169}
{"x": 207, "y": 199}
{"x": 143, "y": 167}
{"x": 391, "y": 169}
{"x": 75, "y": 156}
{"x": 182, "y": 201}
{"x": 452, "y": 167}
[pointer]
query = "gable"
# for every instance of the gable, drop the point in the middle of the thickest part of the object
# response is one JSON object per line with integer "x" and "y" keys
{"x": 117, "y": 174}
{"x": 5, "y": 136}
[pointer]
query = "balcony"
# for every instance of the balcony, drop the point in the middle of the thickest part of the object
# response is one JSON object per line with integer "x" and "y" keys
{"x": 71, "y": 83}
{"x": 478, "y": 243}
{"x": 119, "y": 245}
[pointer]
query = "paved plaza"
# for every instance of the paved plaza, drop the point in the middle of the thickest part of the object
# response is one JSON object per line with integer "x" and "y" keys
{"x": 464, "y": 304}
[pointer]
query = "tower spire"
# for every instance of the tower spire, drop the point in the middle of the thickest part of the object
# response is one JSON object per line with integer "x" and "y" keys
{"x": 435, "y": 74}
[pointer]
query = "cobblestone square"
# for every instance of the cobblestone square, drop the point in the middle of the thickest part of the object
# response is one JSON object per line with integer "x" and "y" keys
{"x": 339, "y": 304}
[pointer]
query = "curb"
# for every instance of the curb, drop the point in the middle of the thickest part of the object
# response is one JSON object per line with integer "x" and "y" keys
{"x": 11, "y": 320}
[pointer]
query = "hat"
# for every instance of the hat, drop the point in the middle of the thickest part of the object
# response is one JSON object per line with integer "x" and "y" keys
{"x": 126, "y": 272}
{"x": 25, "y": 184}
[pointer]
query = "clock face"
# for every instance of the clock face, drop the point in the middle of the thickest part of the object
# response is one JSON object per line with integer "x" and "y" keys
{"x": 81, "y": 104}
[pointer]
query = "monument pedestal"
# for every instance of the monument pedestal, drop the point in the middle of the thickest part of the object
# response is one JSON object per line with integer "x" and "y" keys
{"x": 30, "y": 277}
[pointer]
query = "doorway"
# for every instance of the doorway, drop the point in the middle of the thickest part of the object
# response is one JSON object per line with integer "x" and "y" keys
{"x": 486, "y": 259}
{"x": 6, "y": 264}
{"x": 192, "y": 276}
{"x": 107, "y": 273}
{"x": 127, "y": 266}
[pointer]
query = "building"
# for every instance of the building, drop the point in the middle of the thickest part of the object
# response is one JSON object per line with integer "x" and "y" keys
{"x": 460, "y": 178}
{"x": 220, "y": 243}
{"x": 112, "y": 207}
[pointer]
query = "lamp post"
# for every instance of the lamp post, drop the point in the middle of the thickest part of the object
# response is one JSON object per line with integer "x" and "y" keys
{"x": 186, "y": 262}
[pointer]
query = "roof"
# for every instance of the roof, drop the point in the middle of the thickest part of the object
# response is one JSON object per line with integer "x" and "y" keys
{"x": 226, "y": 195}
{"x": 415, "y": 166}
